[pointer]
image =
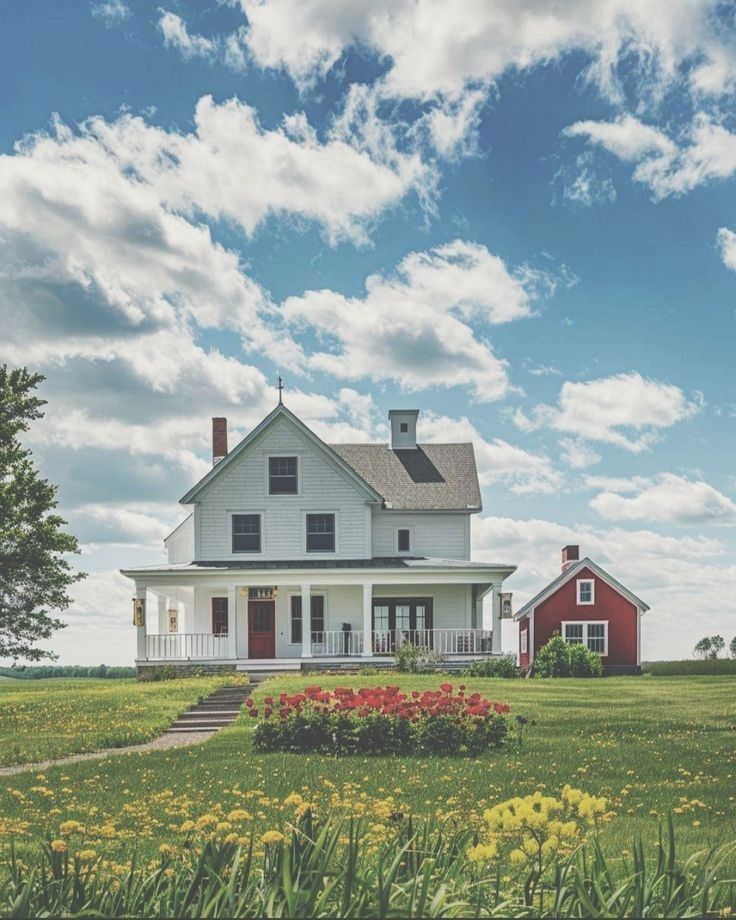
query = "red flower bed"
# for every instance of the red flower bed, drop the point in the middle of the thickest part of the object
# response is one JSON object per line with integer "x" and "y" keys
{"x": 380, "y": 719}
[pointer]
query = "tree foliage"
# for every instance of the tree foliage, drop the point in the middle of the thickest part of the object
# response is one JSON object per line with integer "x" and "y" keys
{"x": 34, "y": 573}
{"x": 709, "y": 647}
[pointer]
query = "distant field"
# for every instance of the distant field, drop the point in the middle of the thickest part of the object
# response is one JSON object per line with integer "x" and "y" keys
{"x": 652, "y": 745}
{"x": 690, "y": 666}
{"x": 44, "y": 719}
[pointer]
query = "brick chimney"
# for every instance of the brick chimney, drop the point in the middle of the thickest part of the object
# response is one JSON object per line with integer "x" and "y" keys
{"x": 219, "y": 439}
{"x": 570, "y": 555}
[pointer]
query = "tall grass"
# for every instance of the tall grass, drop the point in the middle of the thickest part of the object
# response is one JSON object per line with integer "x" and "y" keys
{"x": 329, "y": 870}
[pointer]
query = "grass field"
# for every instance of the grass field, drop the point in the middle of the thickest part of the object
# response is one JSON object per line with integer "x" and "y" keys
{"x": 688, "y": 666}
{"x": 651, "y": 745}
{"x": 45, "y": 719}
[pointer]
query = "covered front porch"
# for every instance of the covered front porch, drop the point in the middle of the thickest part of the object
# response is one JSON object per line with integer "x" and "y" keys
{"x": 216, "y": 614}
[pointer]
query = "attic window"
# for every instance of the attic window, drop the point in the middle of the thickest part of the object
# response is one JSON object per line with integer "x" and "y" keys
{"x": 403, "y": 540}
{"x": 586, "y": 591}
{"x": 283, "y": 476}
{"x": 403, "y": 427}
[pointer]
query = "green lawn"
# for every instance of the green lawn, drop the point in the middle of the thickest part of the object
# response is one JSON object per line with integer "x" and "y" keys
{"x": 45, "y": 719}
{"x": 651, "y": 745}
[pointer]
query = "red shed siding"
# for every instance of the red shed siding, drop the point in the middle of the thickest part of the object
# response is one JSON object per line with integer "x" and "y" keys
{"x": 622, "y": 616}
{"x": 524, "y": 656}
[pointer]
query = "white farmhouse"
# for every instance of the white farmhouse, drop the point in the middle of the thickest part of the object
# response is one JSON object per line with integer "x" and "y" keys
{"x": 299, "y": 553}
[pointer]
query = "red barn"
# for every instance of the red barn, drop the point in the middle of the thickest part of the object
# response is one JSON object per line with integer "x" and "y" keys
{"x": 584, "y": 605}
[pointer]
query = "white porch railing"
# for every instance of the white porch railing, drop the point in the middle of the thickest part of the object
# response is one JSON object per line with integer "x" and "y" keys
{"x": 442, "y": 641}
{"x": 184, "y": 646}
{"x": 337, "y": 642}
{"x": 328, "y": 644}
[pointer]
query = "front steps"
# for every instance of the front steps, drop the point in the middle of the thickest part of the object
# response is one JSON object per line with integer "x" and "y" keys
{"x": 219, "y": 709}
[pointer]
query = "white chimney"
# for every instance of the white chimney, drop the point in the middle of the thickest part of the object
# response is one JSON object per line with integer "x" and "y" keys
{"x": 403, "y": 428}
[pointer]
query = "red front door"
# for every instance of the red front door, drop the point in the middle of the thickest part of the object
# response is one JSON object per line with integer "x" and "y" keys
{"x": 261, "y": 629}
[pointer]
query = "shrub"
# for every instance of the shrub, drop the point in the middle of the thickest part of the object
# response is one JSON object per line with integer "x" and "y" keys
{"x": 505, "y": 666}
{"x": 564, "y": 659}
{"x": 376, "y": 720}
{"x": 416, "y": 659}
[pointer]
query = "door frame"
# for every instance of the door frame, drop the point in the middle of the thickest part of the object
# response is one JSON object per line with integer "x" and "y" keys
{"x": 272, "y": 604}
{"x": 412, "y": 602}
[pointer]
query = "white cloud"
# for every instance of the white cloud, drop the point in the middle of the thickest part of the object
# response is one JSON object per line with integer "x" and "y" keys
{"x": 111, "y": 12}
{"x": 707, "y": 151}
{"x": 177, "y": 35}
{"x": 667, "y": 497}
{"x": 727, "y": 245}
{"x": 577, "y": 454}
{"x": 421, "y": 317}
{"x": 522, "y": 471}
{"x": 438, "y": 48}
{"x": 626, "y": 410}
{"x": 688, "y": 588}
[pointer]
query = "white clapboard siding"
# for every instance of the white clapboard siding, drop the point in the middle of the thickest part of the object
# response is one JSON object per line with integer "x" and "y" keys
{"x": 445, "y": 536}
{"x": 243, "y": 487}
{"x": 179, "y": 544}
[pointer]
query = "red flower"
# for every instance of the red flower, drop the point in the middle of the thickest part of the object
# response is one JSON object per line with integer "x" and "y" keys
{"x": 447, "y": 688}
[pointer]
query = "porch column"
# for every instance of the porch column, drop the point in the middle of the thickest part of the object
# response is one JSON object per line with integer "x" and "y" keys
{"x": 367, "y": 620}
{"x": 163, "y": 613}
{"x": 496, "y": 622}
{"x": 306, "y": 621}
{"x": 141, "y": 650}
{"x": 232, "y": 622}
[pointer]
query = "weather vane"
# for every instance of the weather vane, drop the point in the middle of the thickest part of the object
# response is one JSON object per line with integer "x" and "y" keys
{"x": 280, "y": 389}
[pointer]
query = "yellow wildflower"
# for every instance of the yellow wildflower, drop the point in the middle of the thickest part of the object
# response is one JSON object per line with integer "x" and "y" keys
{"x": 273, "y": 837}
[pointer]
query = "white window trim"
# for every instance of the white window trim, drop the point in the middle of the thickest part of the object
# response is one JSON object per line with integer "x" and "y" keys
{"x": 321, "y": 553}
{"x": 585, "y": 624}
{"x": 267, "y": 478}
{"x": 586, "y": 581}
{"x": 244, "y": 552}
{"x": 404, "y": 552}
{"x": 323, "y": 594}
{"x": 524, "y": 641}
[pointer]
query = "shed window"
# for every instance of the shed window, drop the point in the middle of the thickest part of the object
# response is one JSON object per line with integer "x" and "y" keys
{"x": 283, "y": 478}
{"x": 317, "y": 605}
{"x": 586, "y": 591}
{"x": 404, "y": 540}
{"x": 246, "y": 533}
{"x": 320, "y": 533}
{"x": 593, "y": 635}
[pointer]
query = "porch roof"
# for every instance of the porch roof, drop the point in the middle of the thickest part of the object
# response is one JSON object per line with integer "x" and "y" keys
{"x": 406, "y": 564}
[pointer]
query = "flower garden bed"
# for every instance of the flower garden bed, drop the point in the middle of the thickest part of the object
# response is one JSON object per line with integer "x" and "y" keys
{"x": 379, "y": 720}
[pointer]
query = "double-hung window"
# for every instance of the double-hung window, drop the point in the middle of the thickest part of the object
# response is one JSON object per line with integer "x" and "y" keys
{"x": 320, "y": 533}
{"x": 219, "y": 616}
{"x": 524, "y": 641}
{"x": 403, "y": 539}
{"x": 283, "y": 476}
{"x": 586, "y": 591}
{"x": 317, "y": 617}
{"x": 246, "y": 533}
{"x": 593, "y": 635}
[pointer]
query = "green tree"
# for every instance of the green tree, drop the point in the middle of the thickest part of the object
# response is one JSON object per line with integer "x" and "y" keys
{"x": 717, "y": 644}
{"x": 34, "y": 574}
{"x": 732, "y": 647}
{"x": 703, "y": 648}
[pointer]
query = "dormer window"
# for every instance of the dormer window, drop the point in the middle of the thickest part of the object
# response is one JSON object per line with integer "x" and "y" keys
{"x": 283, "y": 476}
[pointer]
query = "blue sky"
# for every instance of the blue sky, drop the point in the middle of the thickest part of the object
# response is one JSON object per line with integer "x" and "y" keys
{"x": 518, "y": 217}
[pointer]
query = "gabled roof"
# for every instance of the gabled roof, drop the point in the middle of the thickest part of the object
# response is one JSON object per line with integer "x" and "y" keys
{"x": 281, "y": 412}
{"x": 430, "y": 477}
{"x": 569, "y": 574}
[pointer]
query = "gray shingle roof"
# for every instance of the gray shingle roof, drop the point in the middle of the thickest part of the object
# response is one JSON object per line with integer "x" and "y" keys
{"x": 440, "y": 477}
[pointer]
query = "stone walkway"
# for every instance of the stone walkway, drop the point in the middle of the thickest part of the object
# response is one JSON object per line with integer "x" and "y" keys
{"x": 161, "y": 743}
